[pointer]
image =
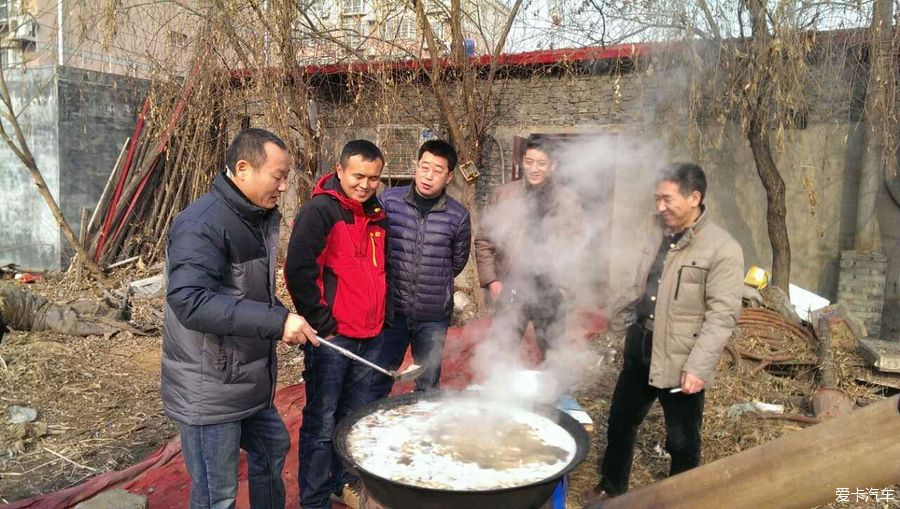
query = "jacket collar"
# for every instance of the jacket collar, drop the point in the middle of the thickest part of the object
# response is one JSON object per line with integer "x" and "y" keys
{"x": 691, "y": 231}
{"x": 440, "y": 205}
{"x": 329, "y": 185}
{"x": 237, "y": 201}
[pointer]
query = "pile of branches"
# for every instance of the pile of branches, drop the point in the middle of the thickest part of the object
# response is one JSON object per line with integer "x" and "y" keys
{"x": 168, "y": 162}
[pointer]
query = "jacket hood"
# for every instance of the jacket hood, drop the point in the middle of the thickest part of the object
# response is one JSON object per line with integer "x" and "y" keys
{"x": 330, "y": 185}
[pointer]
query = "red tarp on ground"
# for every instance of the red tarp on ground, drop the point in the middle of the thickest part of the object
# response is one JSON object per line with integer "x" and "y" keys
{"x": 162, "y": 477}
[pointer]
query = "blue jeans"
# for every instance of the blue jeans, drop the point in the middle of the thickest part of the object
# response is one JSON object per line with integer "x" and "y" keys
{"x": 211, "y": 455}
{"x": 335, "y": 387}
{"x": 427, "y": 342}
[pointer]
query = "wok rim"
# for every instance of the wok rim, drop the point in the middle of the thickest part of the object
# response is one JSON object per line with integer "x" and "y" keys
{"x": 567, "y": 422}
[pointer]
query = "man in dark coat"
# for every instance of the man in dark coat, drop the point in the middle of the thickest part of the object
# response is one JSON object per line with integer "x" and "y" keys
{"x": 429, "y": 234}
{"x": 222, "y": 322}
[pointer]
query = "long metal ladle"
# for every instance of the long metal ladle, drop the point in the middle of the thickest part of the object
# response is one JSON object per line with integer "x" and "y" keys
{"x": 411, "y": 372}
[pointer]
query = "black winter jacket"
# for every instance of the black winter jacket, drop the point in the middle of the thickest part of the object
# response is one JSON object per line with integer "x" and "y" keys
{"x": 222, "y": 317}
{"x": 425, "y": 252}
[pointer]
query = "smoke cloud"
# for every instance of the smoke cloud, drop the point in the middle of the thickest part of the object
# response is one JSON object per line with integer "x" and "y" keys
{"x": 592, "y": 265}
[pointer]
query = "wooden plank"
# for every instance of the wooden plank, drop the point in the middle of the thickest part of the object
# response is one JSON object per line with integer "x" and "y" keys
{"x": 799, "y": 470}
{"x": 872, "y": 377}
{"x": 884, "y": 355}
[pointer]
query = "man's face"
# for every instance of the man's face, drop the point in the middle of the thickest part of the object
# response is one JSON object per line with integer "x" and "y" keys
{"x": 359, "y": 178}
{"x": 676, "y": 210}
{"x": 538, "y": 166}
{"x": 263, "y": 185}
{"x": 432, "y": 175}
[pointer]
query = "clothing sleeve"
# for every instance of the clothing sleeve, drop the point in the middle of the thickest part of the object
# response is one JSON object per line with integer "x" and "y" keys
{"x": 302, "y": 270}
{"x": 197, "y": 267}
{"x": 485, "y": 252}
{"x": 724, "y": 287}
{"x": 462, "y": 244}
{"x": 389, "y": 279}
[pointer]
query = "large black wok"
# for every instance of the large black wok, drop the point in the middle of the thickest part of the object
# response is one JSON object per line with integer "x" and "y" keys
{"x": 396, "y": 495}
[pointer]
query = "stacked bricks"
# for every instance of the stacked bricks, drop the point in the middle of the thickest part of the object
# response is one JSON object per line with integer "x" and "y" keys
{"x": 861, "y": 287}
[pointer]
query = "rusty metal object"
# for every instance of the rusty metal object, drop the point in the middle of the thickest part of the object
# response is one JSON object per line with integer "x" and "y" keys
{"x": 828, "y": 401}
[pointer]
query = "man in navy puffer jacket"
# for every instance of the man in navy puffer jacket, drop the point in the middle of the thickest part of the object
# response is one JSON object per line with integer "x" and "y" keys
{"x": 429, "y": 234}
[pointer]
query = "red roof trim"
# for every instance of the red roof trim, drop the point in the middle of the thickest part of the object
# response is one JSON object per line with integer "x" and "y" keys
{"x": 540, "y": 57}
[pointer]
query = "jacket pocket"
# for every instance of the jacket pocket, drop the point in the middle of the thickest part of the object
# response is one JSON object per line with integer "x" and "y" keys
{"x": 690, "y": 290}
{"x": 684, "y": 332}
{"x": 218, "y": 359}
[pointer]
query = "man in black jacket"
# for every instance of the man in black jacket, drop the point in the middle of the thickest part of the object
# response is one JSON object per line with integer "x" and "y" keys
{"x": 429, "y": 234}
{"x": 335, "y": 273}
{"x": 222, "y": 322}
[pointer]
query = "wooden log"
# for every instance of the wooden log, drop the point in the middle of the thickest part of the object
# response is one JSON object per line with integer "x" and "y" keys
{"x": 106, "y": 195}
{"x": 82, "y": 238}
{"x": 800, "y": 470}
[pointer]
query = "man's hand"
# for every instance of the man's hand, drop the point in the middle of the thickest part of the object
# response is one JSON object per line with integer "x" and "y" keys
{"x": 690, "y": 384}
{"x": 298, "y": 332}
{"x": 496, "y": 288}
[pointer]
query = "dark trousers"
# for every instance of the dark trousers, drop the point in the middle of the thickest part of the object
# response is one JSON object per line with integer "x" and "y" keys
{"x": 427, "y": 342}
{"x": 631, "y": 401}
{"x": 335, "y": 387}
{"x": 544, "y": 310}
{"x": 211, "y": 455}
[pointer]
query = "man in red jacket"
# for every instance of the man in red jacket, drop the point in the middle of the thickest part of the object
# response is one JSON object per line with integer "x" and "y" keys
{"x": 335, "y": 273}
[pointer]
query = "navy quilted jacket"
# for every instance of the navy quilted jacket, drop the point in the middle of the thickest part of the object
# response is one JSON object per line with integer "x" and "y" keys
{"x": 425, "y": 253}
{"x": 222, "y": 316}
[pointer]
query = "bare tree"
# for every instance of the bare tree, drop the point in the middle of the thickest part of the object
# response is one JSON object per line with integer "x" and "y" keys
{"x": 748, "y": 63}
{"x": 17, "y": 143}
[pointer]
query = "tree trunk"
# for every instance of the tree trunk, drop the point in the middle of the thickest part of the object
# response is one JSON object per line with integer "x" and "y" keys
{"x": 776, "y": 211}
{"x": 878, "y": 154}
{"x": 756, "y": 101}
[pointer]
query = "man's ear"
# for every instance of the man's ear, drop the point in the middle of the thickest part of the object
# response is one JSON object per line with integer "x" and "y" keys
{"x": 242, "y": 168}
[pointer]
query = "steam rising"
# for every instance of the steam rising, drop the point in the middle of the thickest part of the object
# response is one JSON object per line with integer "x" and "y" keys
{"x": 593, "y": 264}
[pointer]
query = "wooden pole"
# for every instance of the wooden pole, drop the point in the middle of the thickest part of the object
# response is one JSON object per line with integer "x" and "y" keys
{"x": 105, "y": 196}
{"x": 82, "y": 236}
{"x": 800, "y": 470}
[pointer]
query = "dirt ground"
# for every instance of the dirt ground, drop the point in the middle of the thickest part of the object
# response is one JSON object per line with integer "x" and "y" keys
{"x": 99, "y": 407}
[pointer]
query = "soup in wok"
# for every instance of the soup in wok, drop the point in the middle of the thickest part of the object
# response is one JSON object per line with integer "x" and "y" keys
{"x": 460, "y": 444}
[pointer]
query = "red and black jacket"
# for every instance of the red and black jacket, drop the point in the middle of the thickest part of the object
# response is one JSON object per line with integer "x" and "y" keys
{"x": 335, "y": 268}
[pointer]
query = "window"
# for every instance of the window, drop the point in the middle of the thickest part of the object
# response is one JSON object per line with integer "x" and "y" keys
{"x": 10, "y": 57}
{"x": 178, "y": 39}
{"x": 401, "y": 26}
{"x": 354, "y": 7}
{"x": 352, "y": 33}
{"x": 400, "y": 144}
{"x": 320, "y": 9}
{"x": 4, "y": 10}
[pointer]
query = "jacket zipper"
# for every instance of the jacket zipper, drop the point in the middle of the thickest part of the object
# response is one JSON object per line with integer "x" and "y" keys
{"x": 374, "y": 259}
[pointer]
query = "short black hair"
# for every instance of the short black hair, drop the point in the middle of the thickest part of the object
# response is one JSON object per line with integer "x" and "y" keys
{"x": 250, "y": 145}
{"x": 364, "y": 148}
{"x": 540, "y": 143}
{"x": 440, "y": 148}
{"x": 688, "y": 176}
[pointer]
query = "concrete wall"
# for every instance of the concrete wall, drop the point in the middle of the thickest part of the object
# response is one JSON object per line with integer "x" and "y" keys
{"x": 97, "y": 113}
{"x": 75, "y": 124}
{"x": 28, "y": 233}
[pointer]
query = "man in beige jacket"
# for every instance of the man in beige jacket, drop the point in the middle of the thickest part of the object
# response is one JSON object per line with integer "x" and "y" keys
{"x": 528, "y": 220}
{"x": 689, "y": 283}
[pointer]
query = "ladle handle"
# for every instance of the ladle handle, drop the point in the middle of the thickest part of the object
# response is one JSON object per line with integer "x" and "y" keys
{"x": 353, "y": 356}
